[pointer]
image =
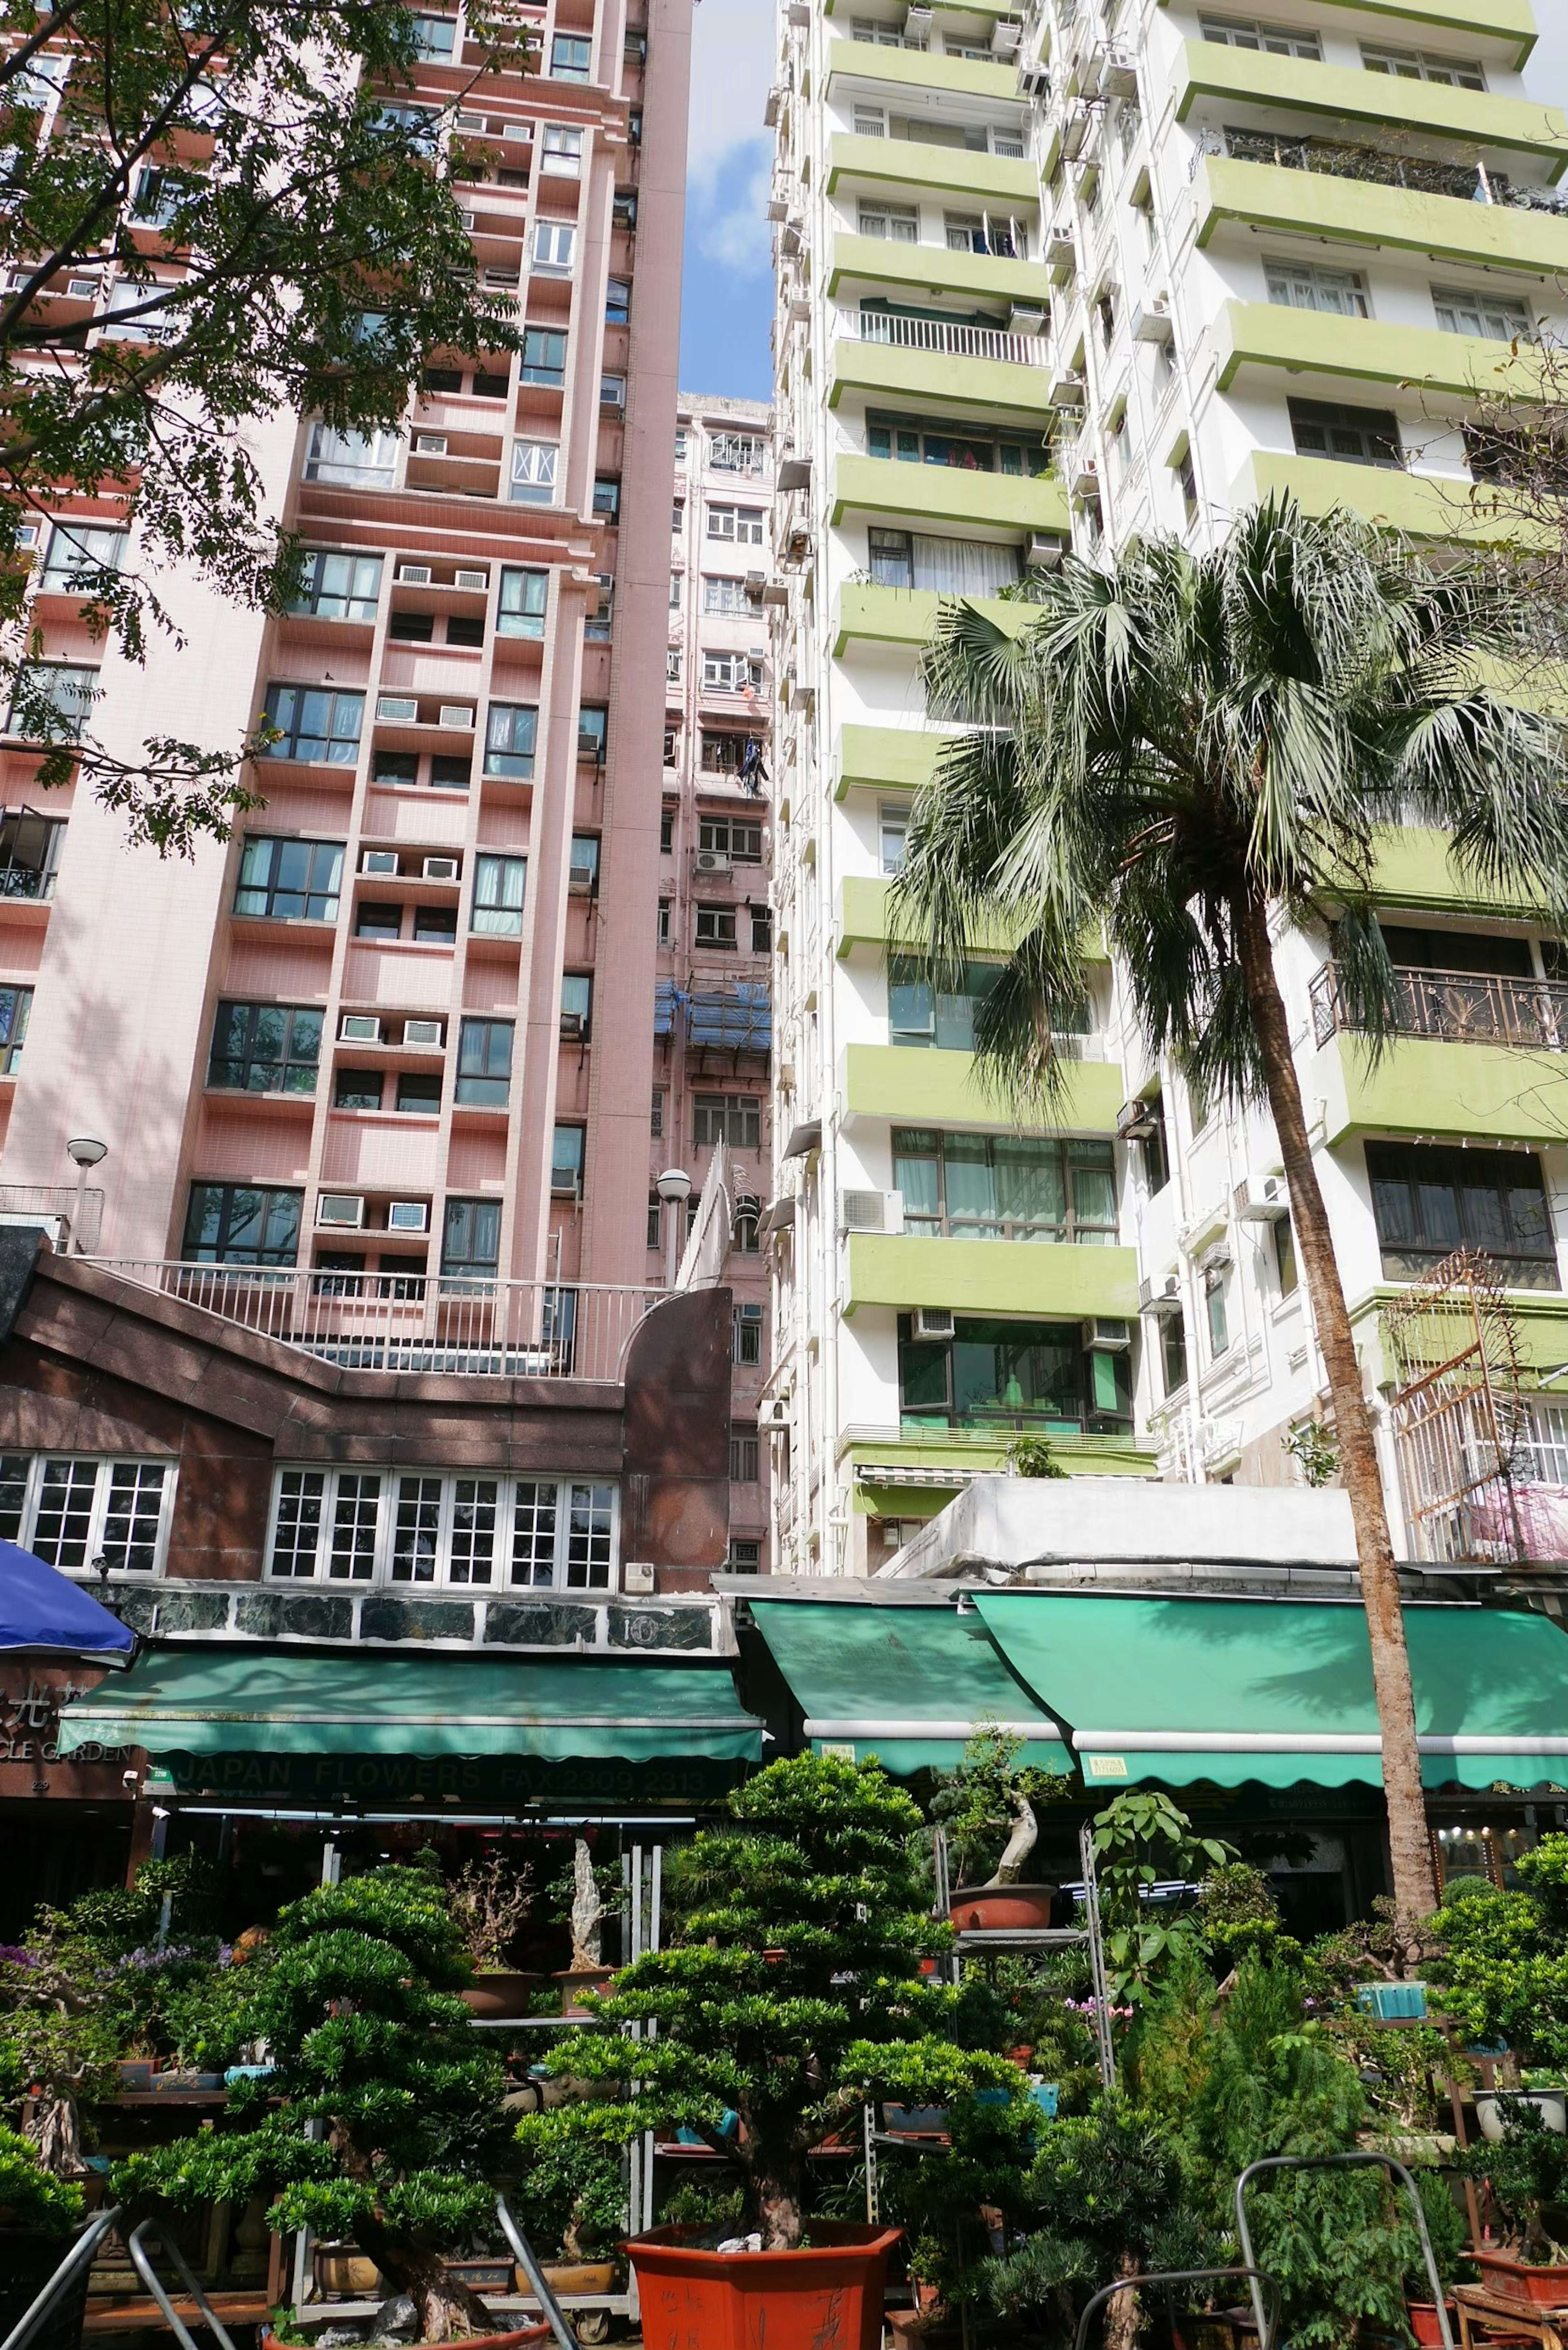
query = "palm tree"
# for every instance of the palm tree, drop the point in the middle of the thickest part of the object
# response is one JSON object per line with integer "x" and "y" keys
{"x": 1173, "y": 745}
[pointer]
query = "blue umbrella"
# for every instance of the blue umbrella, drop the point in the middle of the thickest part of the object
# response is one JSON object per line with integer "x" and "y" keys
{"x": 42, "y": 1609}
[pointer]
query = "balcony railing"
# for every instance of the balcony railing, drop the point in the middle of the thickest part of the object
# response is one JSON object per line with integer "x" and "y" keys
{"x": 1343, "y": 160}
{"x": 435, "y": 1323}
{"x": 954, "y": 340}
{"x": 1459, "y": 1007}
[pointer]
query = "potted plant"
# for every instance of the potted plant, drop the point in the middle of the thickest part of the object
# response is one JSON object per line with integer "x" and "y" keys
{"x": 489, "y": 1902}
{"x": 38, "y": 2214}
{"x": 575, "y": 2191}
{"x": 582, "y": 1905}
{"x": 789, "y": 1993}
{"x": 986, "y": 1807}
{"x": 1526, "y": 2174}
{"x": 379, "y": 2124}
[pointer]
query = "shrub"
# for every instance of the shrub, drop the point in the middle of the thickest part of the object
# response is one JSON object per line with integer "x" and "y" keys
{"x": 32, "y": 2198}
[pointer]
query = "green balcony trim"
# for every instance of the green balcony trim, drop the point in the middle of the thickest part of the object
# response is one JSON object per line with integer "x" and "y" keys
{"x": 921, "y": 69}
{"x": 1346, "y": 95}
{"x": 1423, "y": 1085}
{"x": 1265, "y": 196}
{"x": 1420, "y": 505}
{"x": 1042, "y": 1281}
{"x": 913, "y": 1087}
{"x": 954, "y": 8}
{"x": 974, "y": 1456}
{"x": 884, "y": 758}
{"x": 864, "y": 920}
{"x": 1307, "y": 342}
{"x": 948, "y": 171}
{"x": 945, "y": 493}
{"x": 916, "y": 269}
{"x": 1000, "y": 388}
{"x": 906, "y": 616}
{"x": 1541, "y": 1331}
{"x": 1413, "y": 868}
{"x": 1507, "y": 20}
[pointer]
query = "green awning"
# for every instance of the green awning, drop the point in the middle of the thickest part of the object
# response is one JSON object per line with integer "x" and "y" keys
{"x": 1280, "y": 1691}
{"x": 905, "y": 1684}
{"x": 383, "y": 1726}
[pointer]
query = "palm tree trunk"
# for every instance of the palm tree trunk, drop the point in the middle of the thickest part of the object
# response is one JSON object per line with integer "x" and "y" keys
{"x": 1409, "y": 1845}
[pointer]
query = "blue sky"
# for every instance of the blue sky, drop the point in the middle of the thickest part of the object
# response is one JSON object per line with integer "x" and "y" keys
{"x": 727, "y": 304}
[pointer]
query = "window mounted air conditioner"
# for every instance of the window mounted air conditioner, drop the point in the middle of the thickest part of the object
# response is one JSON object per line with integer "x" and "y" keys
{"x": 1160, "y": 1297}
{"x": 1268, "y": 1205}
{"x": 572, "y": 1025}
{"x": 423, "y": 1034}
{"x": 379, "y": 860}
{"x": 477, "y": 581}
{"x": 467, "y": 216}
{"x": 1043, "y": 553}
{"x": 580, "y": 880}
{"x": 344, "y": 1210}
{"x": 408, "y": 1216}
{"x": 934, "y": 1321}
{"x": 417, "y": 575}
{"x": 429, "y": 444}
{"x": 713, "y": 860}
{"x": 1135, "y": 1122}
{"x": 402, "y": 708}
{"x": 870, "y": 1212}
{"x": 456, "y": 718}
{"x": 471, "y": 122}
{"x": 1214, "y": 1261}
{"x": 1108, "y": 1337}
{"x": 1034, "y": 81}
{"x": 442, "y": 868}
{"x": 564, "y": 1184}
{"x": 360, "y": 1028}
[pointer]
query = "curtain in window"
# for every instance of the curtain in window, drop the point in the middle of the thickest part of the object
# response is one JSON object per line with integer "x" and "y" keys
{"x": 961, "y": 567}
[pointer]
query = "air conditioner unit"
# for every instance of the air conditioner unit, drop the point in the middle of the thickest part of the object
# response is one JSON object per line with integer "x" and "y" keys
{"x": 457, "y": 717}
{"x": 401, "y": 709}
{"x": 429, "y": 444}
{"x": 417, "y": 575}
{"x": 1268, "y": 1205}
{"x": 1151, "y": 321}
{"x": 564, "y": 1184}
{"x": 756, "y": 582}
{"x": 870, "y": 1212}
{"x": 346, "y": 1210}
{"x": 934, "y": 1321}
{"x": 1034, "y": 81}
{"x": 1061, "y": 249}
{"x": 1214, "y": 1260}
{"x": 1005, "y": 36}
{"x": 423, "y": 1035}
{"x": 1065, "y": 388}
{"x": 466, "y": 215}
{"x": 360, "y": 1028}
{"x": 27, "y": 534}
{"x": 917, "y": 23}
{"x": 777, "y": 210}
{"x": 379, "y": 860}
{"x": 1159, "y": 1297}
{"x": 442, "y": 868}
{"x": 1103, "y": 1337}
{"x": 408, "y": 1216}
{"x": 713, "y": 860}
{"x": 1136, "y": 1122}
{"x": 1043, "y": 553}
{"x": 1075, "y": 134}
{"x": 476, "y": 580}
{"x": 572, "y": 1026}
{"x": 580, "y": 880}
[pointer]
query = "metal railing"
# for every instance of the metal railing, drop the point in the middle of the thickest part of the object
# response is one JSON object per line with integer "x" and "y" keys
{"x": 1460, "y": 1007}
{"x": 412, "y": 1322}
{"x": 958, "y": 341}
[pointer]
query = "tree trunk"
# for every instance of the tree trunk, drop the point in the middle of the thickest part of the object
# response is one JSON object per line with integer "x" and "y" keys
{"x": 1414, "y": 1886}
{"x": 1122, "y": 2312}
{"x": 449, "y": 2311}
{"x": 778, "y": 2209}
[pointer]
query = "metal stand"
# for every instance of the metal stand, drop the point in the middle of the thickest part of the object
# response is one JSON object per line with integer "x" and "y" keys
{"x": 1097, "y": 1959}
{"x": 79, "y": 2257}
{"x": 1335, "y": 2162}
{"x": 539, "y": 2284}
{"x": 873, "y": 2181}
{"x": 1257, "y": 2278}
{"x": 144, "y": 2269}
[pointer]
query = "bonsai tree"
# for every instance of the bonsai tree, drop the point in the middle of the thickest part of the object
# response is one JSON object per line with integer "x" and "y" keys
{"x": 381, "y": 2120}
{"x": 1503, "y": 1961}
{"x": 489, "y": 1902}
{"x": 571, "y": 2179}
{"x": 31, "y": 2197}
{"x": 792, "y": 1990}
{"x": 1526, "y": 2173}
{"x": 987, "y": 1807}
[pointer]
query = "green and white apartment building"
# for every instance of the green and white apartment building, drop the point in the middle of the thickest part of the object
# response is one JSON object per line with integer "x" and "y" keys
{"x": 1115, "y": 265}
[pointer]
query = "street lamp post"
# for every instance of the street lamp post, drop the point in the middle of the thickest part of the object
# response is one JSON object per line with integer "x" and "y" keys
{"x": 674, "y": 1188}
{"x": 84, "y": 1150}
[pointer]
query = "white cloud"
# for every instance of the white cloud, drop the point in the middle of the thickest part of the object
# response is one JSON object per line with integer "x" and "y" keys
{"x": 732, "y": 65}
{"x": 731, "y": 212}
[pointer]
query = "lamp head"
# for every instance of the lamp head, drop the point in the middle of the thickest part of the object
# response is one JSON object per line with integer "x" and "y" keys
{"x": 673, "y": 1184}
{"x": 86, "y": 1150}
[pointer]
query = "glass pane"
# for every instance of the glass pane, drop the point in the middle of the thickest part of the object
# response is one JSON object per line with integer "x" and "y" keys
{"x": 1030, "y": 1188}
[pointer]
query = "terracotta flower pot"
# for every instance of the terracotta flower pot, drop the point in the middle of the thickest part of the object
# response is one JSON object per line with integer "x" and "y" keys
{"x": 573, "y": 1985}
{"x": 499, "y": 1996}
{"x": 1542, "y": 2288}
{"x": 345, "y": 2269}
{"x": 574, "y": 2276}
{"x": 1425, "y": 2327}
{"x": 827, "y": 2296}
{"x": 986, "y": 1908}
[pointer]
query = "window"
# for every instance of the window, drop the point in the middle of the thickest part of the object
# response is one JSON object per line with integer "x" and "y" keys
{"x": 1356, "y": 436}
{"x": 289, "y": 880}
{"x": 623, "y": 210}
{"x": 73, "y": 1512}
{"x": 449, "y": 773}
{"x": 367, "y": 458}
{"x": 241, "y": 1223}
{"x": 730, "y": 836}
{"x": 737, "y": 452}
{"x": 374, "y": 919}
{"x": 436, "y": 925}
{"x": 78, "y": 549}
{"x": 16, "y": 1010}
{"x": 762, "y": 931}
{"x": 1306, "y": 285}
{"x": 870, "y": 122}
{"x": 952, "y": 567}
{"x": 533, "y": 473}
{"x": 585, "y": 862}
{"x": 743, "y": 1467}
{"x": 898, "y": 224}
{"x": 464, "y": 628}
{"x": 1428, "y": 1201}
{"x": 387, "y": 1526}
{"x": 544, "y": 356}
{"x": 265, "y": 1048}
{"x": 920, "y": 1014}
{"x": 576, "y": 1005}
{"x": 672, "y": 665}
{"x": 664, "y": 905}
{"x": 397, "y": 767}
{"x": 746, "y": 1336}
{"x": 743, "y": 524}
{"x": 554, "y": 247}
{"x": 617, "y": 302}
{"x": 734, "y": 1119}
{"x": 570, "y": 55}
{"x": 714, "y": 926}
{"x": 313, "y": 723}
{"x": 1284, "y": 1245}
{"x": 1173, "y": 1352}
{"x": 745, "y": 1556}
{"x": 357, "y": 1089}
{"x": 607, "y": 496}
{"x": 597, "y": 627}
{"x": 996, "y": 1376}
{"x": 1416, "y": 65}
{"x": 1214, "y": 1307}
{"x": 418, "y": 1096}
{"x": 1495, "y": 316}
{"x": 655, "y": 1234}
{"x": 566, "y": 1160}
{"x": 412, "y": 629}
{"x": 51, "y": 701}
{"x": 666, "y": 829}
{"x": 731, "y": 673}
{"x": 747, "y": 1238}
{"x": 656, "y": 1113}
{"x": 523, "y": 600}
{"x": 434, "y": 37}
{"x": 677, "y": 518}
{"x": 339, "y": 586}
{"x": 30, "y": 849}
{"x": 498, "y": 893}
{"x": 978, "y": 233}
{"x": 612, "y": 391}
{"x": 1155, "y": 1146}
{"x": 724, "y": 596}
{"x": 975, "y": 449}
{"x": 561, "y": 151}
{"x": 1002, "y": 1187}
{"x": 509, "y": 734}
{"x": 724, "y": 754}
{"x": 471, "y": 1241}
{"x": 1187, "y": 481}
{"x": 1279, "y": 40}
{"x": 593, "y": 728}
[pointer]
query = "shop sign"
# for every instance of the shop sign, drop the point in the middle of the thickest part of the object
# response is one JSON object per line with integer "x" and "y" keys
{"x": 30, "y": 1760}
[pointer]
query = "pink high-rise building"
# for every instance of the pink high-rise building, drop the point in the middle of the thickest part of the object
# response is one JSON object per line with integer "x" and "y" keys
{"x": 401, "y": 1025}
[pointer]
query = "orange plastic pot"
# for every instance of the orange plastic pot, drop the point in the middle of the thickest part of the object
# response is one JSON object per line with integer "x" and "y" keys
{"x": 827, "y": 2296}
{"x": 1543, "y": 2287}
{"x": 983, "y": 1908}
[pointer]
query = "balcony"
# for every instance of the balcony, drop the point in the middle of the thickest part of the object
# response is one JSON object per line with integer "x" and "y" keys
{"x": 1268, "y": 337}
{"x": 1043, "y": 1280}
{"x": 954, "y": 368}
{"x": 920, "y": 70}
{"x": 1280, "y": 198}
{"x": 1456, "y": 1065}
{"x": 904, "y": 617}
{"x": 947, "y": 495}
{"x": 1422, "y": 505}
{"x": 936, "y": 1088}
{"x": 877, "y": 261}
{"x": 1001, "y": 182}
{"x": 1462, "y": 1007}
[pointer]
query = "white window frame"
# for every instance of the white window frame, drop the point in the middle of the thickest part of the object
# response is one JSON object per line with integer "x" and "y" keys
{"x": 725, "y": 522}
{"x": 1423, "y": 64}
{"x": 318, "y": 1484}
{"x": 1452, "y": 298}
{"x": 555, "y": 248}
{"x": 725, "y": 596}
{"x": 95, "y": 1543}
{"x": 530, "y": 473}
{"x": 560, "y": 152}
{"x": 730, "y": 672}
{"x": 1320, "y": 279}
